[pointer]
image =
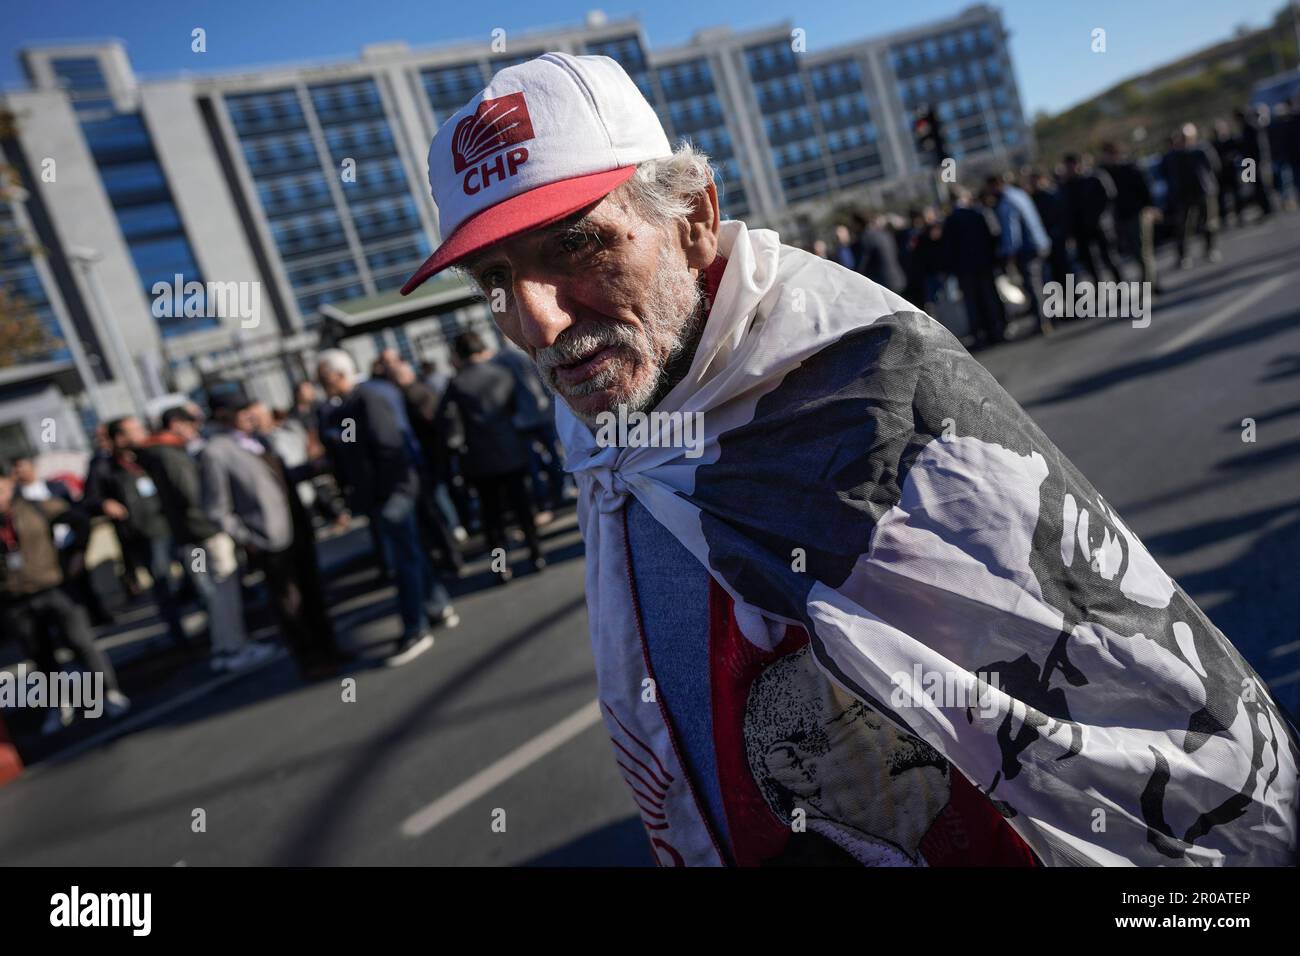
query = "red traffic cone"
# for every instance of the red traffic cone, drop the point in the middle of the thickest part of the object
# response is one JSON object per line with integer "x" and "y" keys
{"x": 11, "y": 765}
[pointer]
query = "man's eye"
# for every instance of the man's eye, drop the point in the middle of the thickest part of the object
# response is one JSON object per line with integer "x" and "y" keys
{"x": 575, "y": 242}
{"x": 492, "y": 279}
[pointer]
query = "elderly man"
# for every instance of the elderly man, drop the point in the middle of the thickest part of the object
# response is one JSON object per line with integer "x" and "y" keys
{"x": 875, "y": 615}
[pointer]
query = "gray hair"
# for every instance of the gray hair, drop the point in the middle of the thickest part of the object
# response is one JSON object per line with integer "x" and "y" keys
{"x": 663, "y": 190}
{"x": 338, "y": 361}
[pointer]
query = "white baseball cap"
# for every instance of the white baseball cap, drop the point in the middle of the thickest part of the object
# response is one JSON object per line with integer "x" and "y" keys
{"x": 544, "y": 140}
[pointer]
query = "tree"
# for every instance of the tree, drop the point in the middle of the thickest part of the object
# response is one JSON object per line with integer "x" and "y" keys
{"x": 23, "y": 336}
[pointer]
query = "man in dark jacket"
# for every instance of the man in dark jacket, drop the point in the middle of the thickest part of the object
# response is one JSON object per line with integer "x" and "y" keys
{"x": 1051, "y": 210}
{"x": 1283, "y": 149}
{"x": 483, "y": 394}
{"x": 1087, "y": 195}
{"x": 1135, "y": 211}
{"x": 378, "y": 458}
{"x": 879, "y": 261}
{"x": 1252, "y": 139}
{"x": 535, "y": 422}
{"x": 925, "y": 262}
{"x": 970, "y": 255}
{"x": 128, "y": 495}
{"x": 33, "y": 604}
{"x": 1194, "y": 183}
{"x": 438, "y": 515}
{"x": 1227, "y": 150}
{"x": 95, "y": 485}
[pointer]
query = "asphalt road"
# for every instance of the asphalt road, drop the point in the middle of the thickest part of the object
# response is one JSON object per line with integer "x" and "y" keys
{"x": 487, "y": 750}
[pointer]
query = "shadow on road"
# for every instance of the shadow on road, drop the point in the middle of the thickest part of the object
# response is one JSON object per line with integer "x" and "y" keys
{"x": 617, "y": 844}
{"x": 1262, "y": 458}
{"x": 1275, "y": 415}
{"x": 1283, "y": 366}
{"x": 363, "y": 761}
{"x": 308, "y": 845}
{"x": 1208, "y": 284}
{"x": 1155, "y": 364}
{"x": 1261, "y": 614}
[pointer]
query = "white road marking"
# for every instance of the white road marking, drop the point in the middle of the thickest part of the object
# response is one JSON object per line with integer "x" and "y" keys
{"x": 422, "y": 821}
{"x": 1230, "y": 310}
{"x": 1284, "y": 649}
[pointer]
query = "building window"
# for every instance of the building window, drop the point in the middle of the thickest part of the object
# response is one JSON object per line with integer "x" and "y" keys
{"x": 626, "y": 50}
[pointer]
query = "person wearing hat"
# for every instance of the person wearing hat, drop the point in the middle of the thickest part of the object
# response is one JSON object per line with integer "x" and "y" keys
{"x": 847, "y": 602}
{"x": 175, "y": 472}
{"x": 248, "y": 495}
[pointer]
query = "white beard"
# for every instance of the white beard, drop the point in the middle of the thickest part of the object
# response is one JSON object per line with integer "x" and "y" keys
{"x": 667, "y": 327}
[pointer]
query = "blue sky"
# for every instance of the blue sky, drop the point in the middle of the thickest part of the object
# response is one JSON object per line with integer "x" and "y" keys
{"x": 1050, "y": 40}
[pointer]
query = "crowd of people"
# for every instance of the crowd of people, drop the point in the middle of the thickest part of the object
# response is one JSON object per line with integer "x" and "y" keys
{"x": 1022, "y": 229}
{"x": 428, "y": 458}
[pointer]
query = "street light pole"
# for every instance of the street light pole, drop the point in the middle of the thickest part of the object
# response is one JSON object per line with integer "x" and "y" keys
{"x": 85, "y": 258}
{"x": 71, "y": 338}
{"x": 84, "y": 369}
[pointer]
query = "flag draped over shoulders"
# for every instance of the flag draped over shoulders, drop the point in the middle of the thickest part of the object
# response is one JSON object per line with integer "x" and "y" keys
{"x": 862, "y": 477}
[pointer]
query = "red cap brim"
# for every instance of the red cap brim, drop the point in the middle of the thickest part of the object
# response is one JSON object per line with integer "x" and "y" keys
{"x": 518, "y": 214}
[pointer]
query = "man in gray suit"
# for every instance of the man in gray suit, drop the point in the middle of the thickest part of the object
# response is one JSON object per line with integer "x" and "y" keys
{"x": 248, "y": 494}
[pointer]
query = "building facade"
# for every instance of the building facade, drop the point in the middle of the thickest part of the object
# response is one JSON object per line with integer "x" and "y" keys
{"x": 304, "y": 187}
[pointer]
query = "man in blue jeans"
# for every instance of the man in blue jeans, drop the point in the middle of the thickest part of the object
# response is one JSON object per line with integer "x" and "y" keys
{"x": 377, "y": 461}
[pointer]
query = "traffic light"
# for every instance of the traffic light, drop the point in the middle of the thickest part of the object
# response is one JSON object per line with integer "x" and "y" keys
{"x": 928, "y": 137}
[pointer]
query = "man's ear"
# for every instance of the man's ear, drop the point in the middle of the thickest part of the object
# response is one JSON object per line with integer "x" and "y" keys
{"x": 699, "y": 231}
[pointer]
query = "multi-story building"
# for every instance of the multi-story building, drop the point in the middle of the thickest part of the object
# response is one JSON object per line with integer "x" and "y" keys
{"x": 308, "y": 183}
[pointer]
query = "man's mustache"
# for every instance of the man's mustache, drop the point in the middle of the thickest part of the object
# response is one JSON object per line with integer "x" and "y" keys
{"x": 575, "y": 344}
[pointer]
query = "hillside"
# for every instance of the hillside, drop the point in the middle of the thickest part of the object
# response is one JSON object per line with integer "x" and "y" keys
{"x": 1201, "y": 87}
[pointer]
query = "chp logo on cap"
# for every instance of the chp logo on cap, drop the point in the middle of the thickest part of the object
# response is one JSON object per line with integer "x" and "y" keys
{"x": 495, "y": 125}
{"x": 586, "y": 127}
